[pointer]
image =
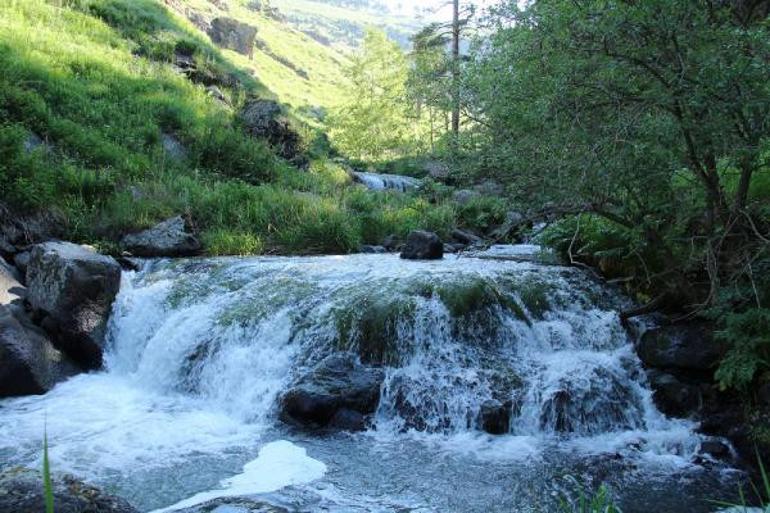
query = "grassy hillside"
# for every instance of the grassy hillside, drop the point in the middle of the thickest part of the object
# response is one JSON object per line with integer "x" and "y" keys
{"x": 89, "y": 101}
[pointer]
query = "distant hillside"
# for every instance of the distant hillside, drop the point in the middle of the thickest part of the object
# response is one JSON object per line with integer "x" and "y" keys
{"x": 341, "y": 24}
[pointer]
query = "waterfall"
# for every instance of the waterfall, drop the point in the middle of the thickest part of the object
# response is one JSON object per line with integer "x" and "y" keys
{"x": 199, "y": 352}
{"x": 379, "y": 182}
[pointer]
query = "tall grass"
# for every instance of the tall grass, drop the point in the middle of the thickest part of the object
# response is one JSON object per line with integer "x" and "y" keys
{"x": 47, "y": 484}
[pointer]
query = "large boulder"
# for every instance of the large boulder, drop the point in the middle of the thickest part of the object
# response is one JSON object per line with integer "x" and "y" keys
{"x": 674, "y": 397}
{"x": 11, "y": 289}
{"x": 71, "y": 290}
{"x": 265, "y": 119}
{"x": 21, "y": 491}
{"x": 29, "y": 363}
{"x": 339, "y": 393}
{"x": 422, "y": 245}
{"x": 687, "y": 346}
{"x": 170, "y": 238}
{"x": 233, "y": 34}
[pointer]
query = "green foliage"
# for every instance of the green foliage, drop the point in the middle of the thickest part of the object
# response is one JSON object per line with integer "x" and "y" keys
{"x": 371, "y": 123}
{"x": 598, "y": 502}
{"x": 47, "y": 484}
{"x": 227, "y": 242}
{"x": 747, "y": 335}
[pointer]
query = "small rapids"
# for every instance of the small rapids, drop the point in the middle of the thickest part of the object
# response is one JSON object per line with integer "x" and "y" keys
{"x": 199, "y": 351}
{"x": 380, "y": 181}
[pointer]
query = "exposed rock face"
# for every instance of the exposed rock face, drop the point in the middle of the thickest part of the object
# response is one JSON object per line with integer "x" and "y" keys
{"x": 338, "y": 394}
{"x": 422, "y": 245}
{"x": 18, "y": 231}
{"x": 465, "y": 196}
{"x": 173, "y": 147}
{"x": 264, "y": 119}
{"x": 167, "y": 239}
{"x": 29, "y": 363}
{"x": 21, "y": 491}
{"x": 465, "y": 237}
{"x": 234, "y": 35}
{"x": 495, "y": 417}
{"x": 72, "y": 289}
{"x": 672, "y": 396}
{"x": 681, "y": 346}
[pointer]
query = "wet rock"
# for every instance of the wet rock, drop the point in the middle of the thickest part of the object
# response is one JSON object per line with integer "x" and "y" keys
{"x": 338, "y": 393}
{"x": 264, "y": 119}
{"x": 673, "y": 397}
{"x": 29, "y": 363}
{"x": 21, "y": 491}
{"x": 689, "y": 346}
{"x": 466, "y": 237}
{"x": 21, "y": 261}
{"x": 170, "y": 238}
{"x": 495, "y": 417}
{"x": 422, "y": 245}
{"x": 391, "y": 243}
{"x": 453, "y": 248}
{"x": 236, "y": 505}
{"x": 373, "y": 249}
{"x": 716, "y": 449}
{"x": 72, "y": 289}
{"x": 234, "y": 35}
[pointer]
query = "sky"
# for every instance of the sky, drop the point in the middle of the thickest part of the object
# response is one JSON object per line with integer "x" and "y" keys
{"x": 443, "y": 7}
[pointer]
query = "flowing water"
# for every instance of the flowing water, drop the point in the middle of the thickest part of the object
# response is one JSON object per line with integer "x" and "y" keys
{"x": 380, "y": 181}
{"x": 200, "y": 350}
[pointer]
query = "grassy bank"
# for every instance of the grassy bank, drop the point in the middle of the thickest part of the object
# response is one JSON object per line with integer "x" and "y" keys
{"x": 89, "y": 101}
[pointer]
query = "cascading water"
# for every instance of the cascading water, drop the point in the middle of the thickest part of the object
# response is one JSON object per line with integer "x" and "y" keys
{"x": 381, "y": 181}
{"x": 200, "y": 350}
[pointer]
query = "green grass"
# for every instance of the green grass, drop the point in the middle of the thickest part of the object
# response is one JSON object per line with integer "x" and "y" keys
{"x": 47, "y": 484}
{"x": 93, "y": 79}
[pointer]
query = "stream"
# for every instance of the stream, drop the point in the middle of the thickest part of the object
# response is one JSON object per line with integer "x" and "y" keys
{"x": 199, "y": 352}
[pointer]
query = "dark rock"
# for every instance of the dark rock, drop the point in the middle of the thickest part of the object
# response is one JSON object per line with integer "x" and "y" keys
{"x": 29, "y": 363}
{"x": 21, "y": 261}
{"x": 233, "y": 34}
{"x": 348, "y": 420}
{"x": 373, "y": 249}
{"x": 513, "y": 222}
{"x": 167, "y": 239}
{"x": 128, "y": 263}
{"x": 495, "y": 417}
{"x": 673, "y": 397}
{"x": 72, "y": 289}
{"x": 466, "y": 237}
{"x": 265, "y": 119}
{"x": 716, "y": 449}
{"x": 21, "y": 491}
{"x": 689, "y": 346}
{"x": 391, "y": 243}
{"x": 422, "y": 245}
{"x": 332, "y": 393}
{"x": 18, "y": 231}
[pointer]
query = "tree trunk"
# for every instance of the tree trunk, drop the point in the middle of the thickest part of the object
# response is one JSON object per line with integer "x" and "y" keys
{"x": 455, "y": 72}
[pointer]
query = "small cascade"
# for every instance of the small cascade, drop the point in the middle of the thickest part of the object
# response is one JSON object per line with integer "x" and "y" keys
{"x": 200, "y": 351}
{"x": 380, "y": 182}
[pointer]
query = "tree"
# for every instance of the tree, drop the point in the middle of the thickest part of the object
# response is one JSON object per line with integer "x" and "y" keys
{"x": 371, "y": 123}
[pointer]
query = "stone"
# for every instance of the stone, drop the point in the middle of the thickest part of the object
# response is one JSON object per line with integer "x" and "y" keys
{"x": 29, "y": 363}
{"x": 673, "y": 397}
{"x": 391, "y": 243}
{"x": 716, "y": 449}
{"x": 169, "y": 238}
{"x": 234, "y": 35}
{"x": 513, "y": 221}
{"x": 217, "y": 94}
{"x": 423, "y": 245}
{"x": 436, "y": 169}
{"x": 72, "y": 290}
{"x": 265, "y": 119}
{"x": 21, "y": 261}
{"x": 465, "y": 196}
{"x": 366, "y": 248}
{"x": 495, "y": 417}
{"x": 466, "y": 237}
{"x": 339, "y": 393}
{"x": 686, "y": 346}
{"x": 173, "y": 147}
{"x": 21, "y": 491}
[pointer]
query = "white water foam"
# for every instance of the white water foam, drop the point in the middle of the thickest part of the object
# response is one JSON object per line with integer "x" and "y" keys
{"x": 279, "y": 464}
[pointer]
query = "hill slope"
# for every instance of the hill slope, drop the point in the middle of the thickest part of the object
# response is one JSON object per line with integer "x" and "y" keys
{"x": 100, "y": 129}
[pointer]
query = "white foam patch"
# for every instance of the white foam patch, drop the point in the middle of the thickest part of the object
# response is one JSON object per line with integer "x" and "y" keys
{"x": 279, "y": 464}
